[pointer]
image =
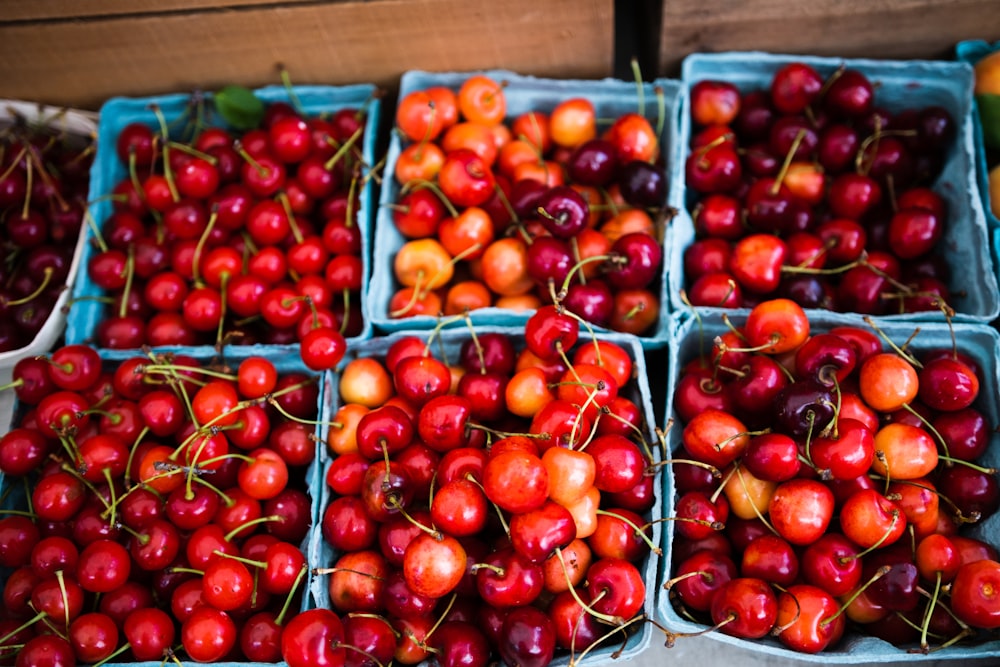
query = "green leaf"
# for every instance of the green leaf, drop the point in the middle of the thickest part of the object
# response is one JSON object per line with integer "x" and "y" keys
{"x": 239, "y": 107}
{"x": 989, "y": 114}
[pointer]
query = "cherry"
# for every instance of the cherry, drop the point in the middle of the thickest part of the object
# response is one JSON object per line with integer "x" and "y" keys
{"x": 809, "y": 619}
{"x": 748, "y": 607}
{"x": 313, "y": 637}
{"x": 527, "y": 637}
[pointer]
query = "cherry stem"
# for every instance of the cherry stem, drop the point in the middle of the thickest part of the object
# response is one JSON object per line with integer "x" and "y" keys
{"x": 716, "y": 473}
{"x": 969, "y": 464}
{"x": 394, "y": 502}
{"x": 776, "y": 187}
{"x": 640, "y": 92}
{"x": 223, "y": 301}
{"x": 122, "y": 649}
{"x": 639, "y": 532}
{"x": 129, "y": 277}
{"x": 885, "y": 536}
{"x": 476, "y": 344}
{"x": 46, "y": 279}
{"x": 756, "y": 510}
{"x": 200, "y": 247}
{"x": 291, "y": 594}
{"x": 191, "y": 150}
{"x": 607, "y": 618}
{"x": 344, "y": 148}
{"x": 335, "y": 570}
{"x": 173, "y": 369}
{"x": 928, "y": 611}
{"x": 248, "y": 524}
{"x": 246, "y": 561}
{"x": 899, "y": 350}
{"x": 937, "y": 434}
{"x": 29, "y": 171}
{"x": 24, "y": 626}
{"x": 292, "y": 222}
{"x": 607, "y": 635}
{"x": 881, "y": 572}
{"x": 605, "y": 412}
{"x": 419, "y": 184}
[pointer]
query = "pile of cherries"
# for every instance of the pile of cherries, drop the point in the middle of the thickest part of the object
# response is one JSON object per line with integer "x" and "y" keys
{"x": 44, "y": 177}
{"x": 238, "y": 238}
{"x": 164, "y": 503}
{"x": 513, "y": 213}
{"x": 489, "y": 506}
{"x": 833, "y": 474}
{"x": 809, "y": 190}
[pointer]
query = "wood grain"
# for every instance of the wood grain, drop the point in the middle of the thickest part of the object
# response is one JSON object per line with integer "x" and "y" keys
{"x": 848, "y": 28}
{"x": 83, "y": 62}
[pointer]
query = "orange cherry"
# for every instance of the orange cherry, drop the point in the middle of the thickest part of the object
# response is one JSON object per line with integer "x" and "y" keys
{"x": 806, "y": 181}
{"x": 515, "y": 153}
{"x": 475, "y": 137}
{"x": 419, "y": 162}
{"x": 577, "y": 557}
{"x": 365, "y": 381}
{"x": 584, "y": 512}
{"x": 904, "y": 451}
{"x": 587, "y": 244}
{"x": 505, "y": 267}
{"x": 418, "y": 118}
{"x": 527, "y": 392}
{"x": 571, "y": 473}
{"x": 887, "y": 382}
{"x": 519, "y": 303}
{"x": 465, "y": 296}
{"x": 628, "y": 221}
{"x": 445, "y": 103}
{"x": 424, "y": 263}
{"x": 482, "y": 100}
{"x": 573, "y": 122}
{"x": 414, "y": 301}
{"x": 468, "y": 234}
{"x": 533, "y": 127}
{"x": 634, "y": 138}
{"x": 342, "y": 436}
{"x": 545, "y": 171}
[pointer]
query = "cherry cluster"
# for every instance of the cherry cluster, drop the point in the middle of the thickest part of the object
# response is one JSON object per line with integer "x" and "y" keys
{"x": 164, "y": 504}
{"x": 494, "y": 505}
{"x": 240, "y": 238}
{"x": 508, "y": 213}
{"x": 809, "y": 190}
{"x": 844, "y": 467}
{"x": 44, "y": 177}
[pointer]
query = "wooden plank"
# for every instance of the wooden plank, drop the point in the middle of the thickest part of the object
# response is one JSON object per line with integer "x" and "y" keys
{"x": 53, "y": 10}
{"x": 848, "y": 28}
{"x": 83, "y": 62}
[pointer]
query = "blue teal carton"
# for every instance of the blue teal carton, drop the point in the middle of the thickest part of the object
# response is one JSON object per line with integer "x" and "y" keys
{"x": 15, "y": 490}
{"x": 693, "y": 337}
{"x": 610, "y": 97}
{"x": 899, "y": 85}
{"x": 86, "y": 310}
{"x": 447, "y": 344}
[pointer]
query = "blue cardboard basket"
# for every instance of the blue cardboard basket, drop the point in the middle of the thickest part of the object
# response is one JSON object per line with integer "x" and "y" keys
{"x": 611, "y": 97}
{"x": 449, "y": 341}
{"x": 13, "y": 490}
{"x": 85, "y": 313}
{"x": 898, "y": 85}
{"x": 970, "y": 51}
{"x": 980, "y": 341}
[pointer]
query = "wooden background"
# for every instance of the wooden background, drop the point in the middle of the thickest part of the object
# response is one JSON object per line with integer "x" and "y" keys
{"x": 80, "y": 52}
